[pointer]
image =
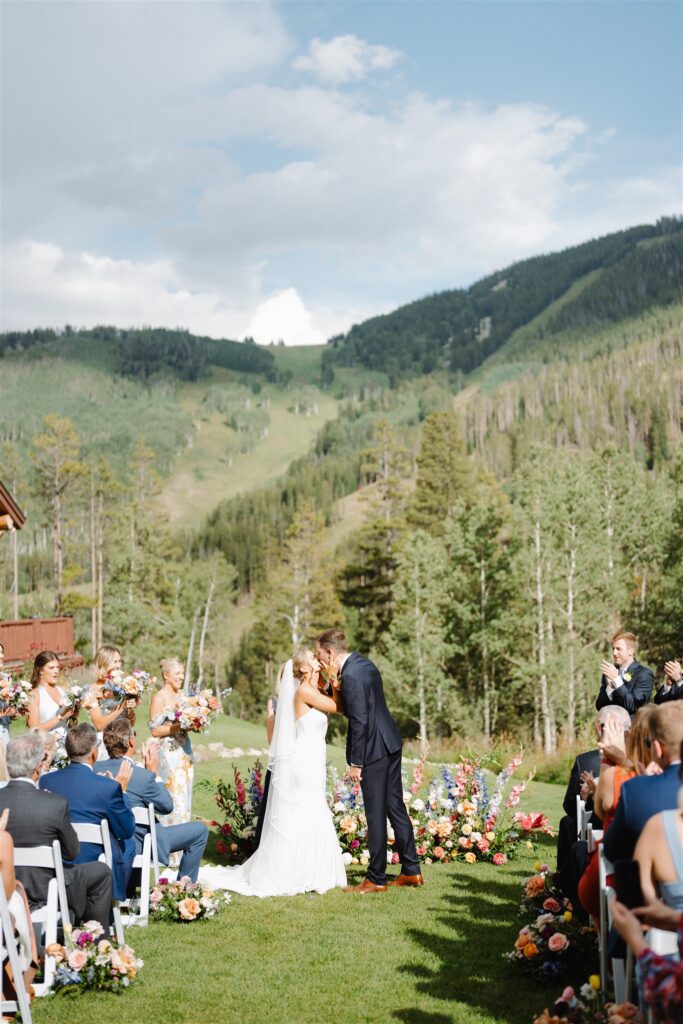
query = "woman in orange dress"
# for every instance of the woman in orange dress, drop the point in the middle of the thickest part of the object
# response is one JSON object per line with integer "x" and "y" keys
{"x": 635, "y": 756}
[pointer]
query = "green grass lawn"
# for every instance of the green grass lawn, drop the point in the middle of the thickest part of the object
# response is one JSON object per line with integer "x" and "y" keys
{"x": 427, "y": 956}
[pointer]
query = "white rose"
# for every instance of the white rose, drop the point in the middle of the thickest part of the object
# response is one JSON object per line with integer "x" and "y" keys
{"x": 418, "y": 805}
{"x": 339, "y": 807}
{"x": 346, "y": 858}
{"x": 466, "y": 830}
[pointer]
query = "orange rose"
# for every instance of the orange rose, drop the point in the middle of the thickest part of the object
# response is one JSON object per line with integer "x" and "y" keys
{"x": 189, "y": 909}
{"x": 530, "y": 950}
{"x": 534, "y": 885}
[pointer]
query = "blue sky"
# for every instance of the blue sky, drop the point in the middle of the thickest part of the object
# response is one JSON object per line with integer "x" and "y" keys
{"x": 284, "y": 170}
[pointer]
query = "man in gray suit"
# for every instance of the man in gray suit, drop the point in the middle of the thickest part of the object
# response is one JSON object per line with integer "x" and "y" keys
{"x": 37, "y": 818}
{"x": 144, "y": 789}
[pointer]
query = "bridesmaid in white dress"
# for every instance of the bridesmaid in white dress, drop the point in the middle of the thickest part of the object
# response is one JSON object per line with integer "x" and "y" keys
{"x": 176, "y": 760}
{"x": 45, "y": 709}
{"x": 299, "y": 850}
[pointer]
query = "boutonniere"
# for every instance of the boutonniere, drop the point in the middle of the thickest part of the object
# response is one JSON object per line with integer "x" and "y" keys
{"x": 627, "y": 677}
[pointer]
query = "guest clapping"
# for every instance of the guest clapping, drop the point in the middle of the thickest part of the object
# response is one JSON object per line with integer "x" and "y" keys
{"x": 672, "y": 688}
{"x": 624, "y": 681}
{"x": 91, "y": 798}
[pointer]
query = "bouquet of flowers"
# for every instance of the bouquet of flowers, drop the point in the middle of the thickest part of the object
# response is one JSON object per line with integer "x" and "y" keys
{"x": 240, "y": 804}
{"x": 194, "y": 712}
{"x": 128, "y": 687}
{"x": 74, "y": 697}
{"x": 587, "y": 1007}
{"x": 541, "y": 893}
{"x": 185, "y": 900}
{"x": 14, "y": 693}
{"x": 91, "y": 962}
{"x": 59, "y": 758}
{"x": 555, "y": 945}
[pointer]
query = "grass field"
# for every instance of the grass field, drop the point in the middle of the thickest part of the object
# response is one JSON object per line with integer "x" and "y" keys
{"x": 427, "y": 956}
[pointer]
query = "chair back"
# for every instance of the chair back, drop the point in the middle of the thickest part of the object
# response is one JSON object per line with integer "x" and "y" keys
{"x": 98, "y": 835}
{"x": 10, "y": 951}
{"x": 144, "y": 816}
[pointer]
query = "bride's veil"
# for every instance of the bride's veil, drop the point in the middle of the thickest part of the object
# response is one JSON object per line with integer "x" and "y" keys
{"x": 276, "y": 853}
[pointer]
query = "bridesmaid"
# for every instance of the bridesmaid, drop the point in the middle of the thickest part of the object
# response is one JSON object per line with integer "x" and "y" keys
{"x": 176, "y": 761}
{"x": 45, "y": 710}
{"x": 103, "y": 710}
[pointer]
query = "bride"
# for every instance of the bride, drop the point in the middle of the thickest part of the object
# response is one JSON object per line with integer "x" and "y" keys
{"x": 299, "y": 851}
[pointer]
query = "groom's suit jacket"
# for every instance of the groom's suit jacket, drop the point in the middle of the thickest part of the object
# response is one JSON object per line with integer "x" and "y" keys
{"x": 372, "y": 731}
{"x": 633, "y": 693}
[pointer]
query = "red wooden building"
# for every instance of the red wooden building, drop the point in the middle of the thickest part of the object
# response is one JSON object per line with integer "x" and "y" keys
{"x": 22, "y": 639}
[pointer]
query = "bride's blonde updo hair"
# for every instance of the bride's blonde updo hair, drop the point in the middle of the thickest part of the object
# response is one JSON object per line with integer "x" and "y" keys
{"x": 300, "y": 660}
{"x": 104, "y": 659}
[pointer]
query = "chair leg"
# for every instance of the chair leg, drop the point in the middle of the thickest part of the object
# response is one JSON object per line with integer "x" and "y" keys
{"x": 118, "y": 924}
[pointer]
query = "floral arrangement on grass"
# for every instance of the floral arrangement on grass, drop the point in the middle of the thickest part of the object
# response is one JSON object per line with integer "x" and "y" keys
{"x": 240, "y": 803}
{"x": 541, "y": 893}
{"x": 90, "y": 962}
{"x": 185, "y": 900}
{"x": 459, "y": 817}
{"x": 14, "y": 693}
{"x": 587, "y": 1007}
{"x": 194, "y": 712}
{"x": 555, "y": 945}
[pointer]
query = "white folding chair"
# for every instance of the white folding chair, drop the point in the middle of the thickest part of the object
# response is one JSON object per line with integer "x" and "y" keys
{"x": 9, "y": 951}
{"x": 593, "y": 837}
{"x": 98, "y": 835}
{"x": 145, "y": 862}
{"x": 620, "y": 968}
{"x": 580, "y": 808}
{"x": 56, "y": 908}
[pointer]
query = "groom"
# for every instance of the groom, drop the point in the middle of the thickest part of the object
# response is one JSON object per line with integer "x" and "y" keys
{"x": 373, "y": 751}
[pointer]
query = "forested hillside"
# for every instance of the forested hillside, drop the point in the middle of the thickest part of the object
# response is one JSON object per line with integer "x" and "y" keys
{"x": 507, "y": 520}
{"x": 619, "y": 275}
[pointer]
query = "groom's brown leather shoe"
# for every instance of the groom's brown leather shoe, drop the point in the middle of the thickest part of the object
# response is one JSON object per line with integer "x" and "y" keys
{"x": 407, "y": 880}
{"x": 364, "y": 887}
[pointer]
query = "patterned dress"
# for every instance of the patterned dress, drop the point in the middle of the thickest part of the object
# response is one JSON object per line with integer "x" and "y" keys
{"x": 176, "y": 769}
{"x": 106, "y": 705}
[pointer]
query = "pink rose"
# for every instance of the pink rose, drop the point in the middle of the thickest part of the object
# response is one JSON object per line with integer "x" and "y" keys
{"x": 483, "y": 845}
{"x": 500, "y": 858}
{"x": 77, "y": 959}
{"x": 552, "y": 905}
{"x": 395, "y": 858}
{"x": 557, "y": 942}
{"x": 568, "y": 994}
{"x": 438, "y": 852}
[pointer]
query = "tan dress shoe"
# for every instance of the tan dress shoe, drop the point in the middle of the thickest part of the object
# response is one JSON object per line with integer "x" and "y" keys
{"x": 407, "y": 880}
{"x": 364, "y": 887}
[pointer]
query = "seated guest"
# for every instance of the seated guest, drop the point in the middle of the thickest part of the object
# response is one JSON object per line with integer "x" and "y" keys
{"x": 625, "y": 682}
{"x": 659, "y": 852}
{"x": 20, "y": 913}
{"x": 662, "y": 976}
{"x": 634, "y": 759}
{"x": 586, "y": 768}
{"x": 91, "y": 798}
{"x": 646, "y": 795}
{"x": 37, "y": 818}
{"x": 672, "y": 689}
{"x": 145, "y": 788}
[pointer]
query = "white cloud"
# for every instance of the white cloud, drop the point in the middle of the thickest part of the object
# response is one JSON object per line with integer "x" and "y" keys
{"x": 46, "y": 286}
{"x": 345, "y": 59}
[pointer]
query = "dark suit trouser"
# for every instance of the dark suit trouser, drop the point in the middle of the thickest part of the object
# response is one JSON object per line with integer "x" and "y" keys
{"x": 262, "y": 809}
{"x": 382, "y": 788}
{"x": 88, "y": 892}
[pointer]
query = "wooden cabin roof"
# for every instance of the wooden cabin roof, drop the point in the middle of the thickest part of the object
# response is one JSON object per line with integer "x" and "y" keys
{"x": 8, "y": 506}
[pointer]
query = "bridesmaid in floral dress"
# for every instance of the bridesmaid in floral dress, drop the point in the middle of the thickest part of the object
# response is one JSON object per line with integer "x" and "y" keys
{"x": 176, "y": 761}
{"x": 103, "y": 710}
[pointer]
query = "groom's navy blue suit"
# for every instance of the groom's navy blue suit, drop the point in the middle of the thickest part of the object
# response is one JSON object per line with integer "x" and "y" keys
{"x": 374, "y": 744}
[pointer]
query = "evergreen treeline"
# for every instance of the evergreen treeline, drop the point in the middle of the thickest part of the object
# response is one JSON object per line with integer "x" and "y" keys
{"x": 459, "y": 329}
{"x": 142, "y": 353}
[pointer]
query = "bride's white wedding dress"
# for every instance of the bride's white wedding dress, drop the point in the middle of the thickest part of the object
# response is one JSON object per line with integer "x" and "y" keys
{"x": 299, "y": 851}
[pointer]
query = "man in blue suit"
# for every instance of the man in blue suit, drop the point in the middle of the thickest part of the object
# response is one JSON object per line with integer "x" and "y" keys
{"x": 92, "y": 798}
{"x": 144, "y": 788}
{"x": 646, "y": 795}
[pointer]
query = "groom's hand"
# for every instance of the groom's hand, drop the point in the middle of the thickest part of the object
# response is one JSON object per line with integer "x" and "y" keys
{"x": 354, "y": 773}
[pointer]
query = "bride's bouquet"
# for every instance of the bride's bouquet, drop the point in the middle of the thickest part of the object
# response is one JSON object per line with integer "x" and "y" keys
{"x": 194, "y": 712}
{"x": 14, "y": 693}
{"x": 129, "y": 686}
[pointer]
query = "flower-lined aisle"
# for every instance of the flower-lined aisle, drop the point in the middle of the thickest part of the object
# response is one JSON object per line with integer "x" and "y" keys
{"x": 461, "y": 813}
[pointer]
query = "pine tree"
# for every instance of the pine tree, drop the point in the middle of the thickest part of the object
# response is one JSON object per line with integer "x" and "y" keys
{"x": 445, "y": 474}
